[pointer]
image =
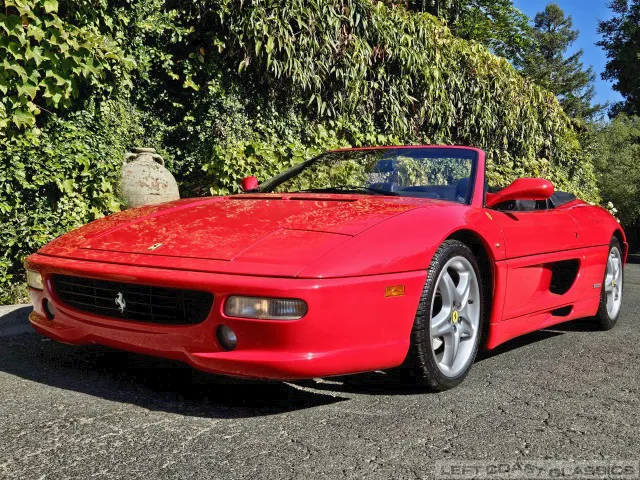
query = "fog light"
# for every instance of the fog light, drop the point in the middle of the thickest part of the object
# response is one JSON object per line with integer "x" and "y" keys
{"x": 226, "y": 337}
{"x": 34, "y": 280}
{"x": 49, "y": 311}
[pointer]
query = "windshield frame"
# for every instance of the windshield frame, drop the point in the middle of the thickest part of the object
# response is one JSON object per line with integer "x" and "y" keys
{"x": 470, "y": 154}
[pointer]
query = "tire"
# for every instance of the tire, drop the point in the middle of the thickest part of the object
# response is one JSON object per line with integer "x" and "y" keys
{"x": 436, "y": 361}
{"x": 612, "y": 285}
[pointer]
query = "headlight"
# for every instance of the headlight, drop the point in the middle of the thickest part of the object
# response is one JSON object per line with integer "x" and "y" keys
{"x": 34, "y": 280}
{"x": 265, "y": 308}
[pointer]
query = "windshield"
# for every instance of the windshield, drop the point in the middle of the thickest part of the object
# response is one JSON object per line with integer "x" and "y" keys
{"x": 439, "y": 173}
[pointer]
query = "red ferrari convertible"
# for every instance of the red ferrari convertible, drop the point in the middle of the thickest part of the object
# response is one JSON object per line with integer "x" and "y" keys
{"x": 357, "y": 260}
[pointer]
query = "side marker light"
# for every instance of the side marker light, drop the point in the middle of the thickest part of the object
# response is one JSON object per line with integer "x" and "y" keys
{"x": 394, "y": 291}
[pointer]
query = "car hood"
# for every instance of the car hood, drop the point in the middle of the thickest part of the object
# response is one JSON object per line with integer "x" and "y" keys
{"x": 261, "y": 234}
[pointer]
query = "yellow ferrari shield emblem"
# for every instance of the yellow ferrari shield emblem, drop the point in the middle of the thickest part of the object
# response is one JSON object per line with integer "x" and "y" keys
{"x": 455, "y": 316}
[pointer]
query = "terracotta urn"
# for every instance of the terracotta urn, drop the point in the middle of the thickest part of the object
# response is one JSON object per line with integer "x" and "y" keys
{"x": 145, "y": 180}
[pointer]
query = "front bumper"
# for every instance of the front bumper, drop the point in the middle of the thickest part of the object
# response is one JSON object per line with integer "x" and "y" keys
{"x": 350, "y": 327}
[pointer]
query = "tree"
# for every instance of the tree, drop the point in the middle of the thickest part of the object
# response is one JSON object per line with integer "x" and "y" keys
{"x": 621, "y": 41}
{"x": 497, "y": 24}
{"x": 549, "y": 66}
{"x": 615, "y": 149}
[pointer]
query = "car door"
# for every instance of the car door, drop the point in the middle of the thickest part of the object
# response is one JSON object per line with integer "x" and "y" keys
{"x": 543, "y": 250}
{"x": 531, "y": 228}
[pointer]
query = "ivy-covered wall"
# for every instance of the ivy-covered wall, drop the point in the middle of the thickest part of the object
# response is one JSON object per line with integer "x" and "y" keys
{"x": 225, "y": 89}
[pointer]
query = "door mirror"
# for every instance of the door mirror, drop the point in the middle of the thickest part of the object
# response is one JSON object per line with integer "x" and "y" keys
{"x": 522, "y": 189}
{"x": 249, "y": 183}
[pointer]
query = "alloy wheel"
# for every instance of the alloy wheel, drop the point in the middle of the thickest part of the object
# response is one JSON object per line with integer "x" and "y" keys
{"x": 613, "y": 282}
{"x": 455, "y": 316}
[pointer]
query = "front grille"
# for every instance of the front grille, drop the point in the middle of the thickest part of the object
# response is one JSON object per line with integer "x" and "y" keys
{"x": 142, "y": 303}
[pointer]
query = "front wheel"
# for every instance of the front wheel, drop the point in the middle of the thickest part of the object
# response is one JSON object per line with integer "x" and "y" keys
{"x": 448, "y": 325}
{"x": 611, "y": 294}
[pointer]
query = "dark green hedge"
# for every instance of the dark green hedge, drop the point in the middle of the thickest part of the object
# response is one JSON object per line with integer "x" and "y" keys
{"x": 224, "y": 89}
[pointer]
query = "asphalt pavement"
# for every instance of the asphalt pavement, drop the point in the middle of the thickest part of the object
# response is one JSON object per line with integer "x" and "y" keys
{"x": 568, "y": 393}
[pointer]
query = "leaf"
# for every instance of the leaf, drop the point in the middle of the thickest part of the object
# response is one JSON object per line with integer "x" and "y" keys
{"x": 189, "y": 83}
{"x": 51, "y": 6}
{"x": 23, "y": 119}
{"x": 28, "y": 89}
{"x": 11, "y": 23}
{"x": 35, "y": 32}
{"x": 66, "y": 185}
{"x": 55, "y": 99}
{"x": 36, "y": 55}
{"x": 15, "y": 68}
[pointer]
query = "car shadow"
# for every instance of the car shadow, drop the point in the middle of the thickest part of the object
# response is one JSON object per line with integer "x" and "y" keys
{"x": 402, "y": 382}
{"x": 160, "y": 384}
{"x": 517, "y": 343}
{"x": 389, "y": 382}
{"x": 633, "y": 258}
{"x": 149, "y": 382}
{"x": 581, "y": 325}
{"x": 14, "y": 320}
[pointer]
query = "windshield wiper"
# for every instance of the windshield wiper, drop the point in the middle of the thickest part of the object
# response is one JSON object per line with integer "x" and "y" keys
{"x": 352, "y": 188}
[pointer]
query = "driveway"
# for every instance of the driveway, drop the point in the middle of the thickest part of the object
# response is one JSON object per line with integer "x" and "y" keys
{"x": 569, "y": 393}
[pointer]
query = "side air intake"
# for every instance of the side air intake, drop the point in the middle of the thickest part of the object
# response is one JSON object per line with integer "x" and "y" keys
{"x": 563, "y": 275}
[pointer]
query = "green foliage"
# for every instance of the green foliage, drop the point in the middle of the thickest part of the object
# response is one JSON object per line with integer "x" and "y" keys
{"x": 46, "y": 62}
{"x": 564, "y": 75}
{"x": 405, "y": 74}
{"x": 263, "y": 158}
{"x": 621, "y": 40}
{"x": 615, "y": 149}
{"x": 497, "y": 24}
{"x": 226, "y": 89}
{"x": 59, "y": 179}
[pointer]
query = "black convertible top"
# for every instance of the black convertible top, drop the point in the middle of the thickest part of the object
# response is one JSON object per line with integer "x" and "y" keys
{"x": 560, "y": 198}
{"x": 556, "y": 200}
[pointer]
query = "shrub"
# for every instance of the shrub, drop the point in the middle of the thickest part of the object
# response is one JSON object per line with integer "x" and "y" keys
{"x": 615, "y": 149}
{"x": 59, "y": 179}
{"x": 226, "y": 89}
{"x": 47, "y": 62}
{"x": 365, "y": 64}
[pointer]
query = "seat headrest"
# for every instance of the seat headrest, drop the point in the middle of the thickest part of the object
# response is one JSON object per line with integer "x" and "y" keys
{"x": 462, "y": 188}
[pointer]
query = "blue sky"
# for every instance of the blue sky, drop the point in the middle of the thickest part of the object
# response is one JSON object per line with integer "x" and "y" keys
{"x": 585, "y": 14}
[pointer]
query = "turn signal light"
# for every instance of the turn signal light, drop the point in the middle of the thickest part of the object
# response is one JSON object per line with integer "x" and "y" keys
{"x": 34, "y": 280}
{"x": 265, "y": 308}
{"x": 394, "y": 291}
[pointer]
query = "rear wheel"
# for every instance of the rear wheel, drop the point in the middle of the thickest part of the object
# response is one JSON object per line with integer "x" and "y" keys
{"x": 611, "y": 294}
{"x": 448, "y": 325}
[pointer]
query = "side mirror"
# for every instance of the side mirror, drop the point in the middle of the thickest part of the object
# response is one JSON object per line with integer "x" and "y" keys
{"x": 522, "y": 189}
{"x": 249, "y": 183}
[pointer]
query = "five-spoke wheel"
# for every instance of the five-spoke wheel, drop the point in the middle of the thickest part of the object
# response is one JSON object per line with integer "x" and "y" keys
{"x": 448, "y": 325}
{"x": 611, "y": 296}
{"x": 613, "y": 282}
{"x": 455, "y": 316}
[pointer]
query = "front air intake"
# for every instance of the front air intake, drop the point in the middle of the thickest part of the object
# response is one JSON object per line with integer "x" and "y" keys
{"x": 129, "y": 301}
